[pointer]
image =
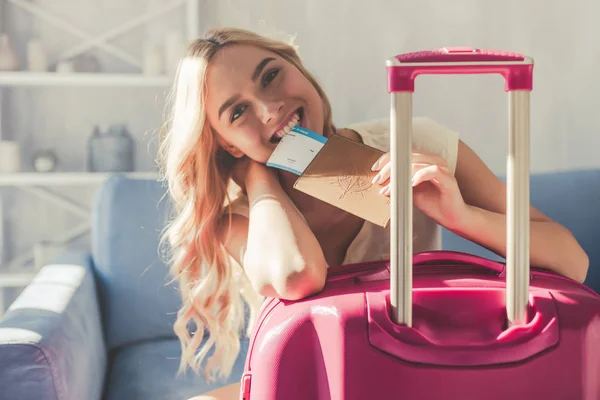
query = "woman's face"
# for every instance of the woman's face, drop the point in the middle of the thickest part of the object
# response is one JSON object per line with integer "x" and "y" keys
{"x": 254, "y": 97}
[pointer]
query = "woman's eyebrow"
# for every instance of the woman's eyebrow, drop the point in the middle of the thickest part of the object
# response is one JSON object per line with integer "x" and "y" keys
{"x": 257, "y": 71}
{"x": 261, "y": 65}
{"x": 228, "y": 104}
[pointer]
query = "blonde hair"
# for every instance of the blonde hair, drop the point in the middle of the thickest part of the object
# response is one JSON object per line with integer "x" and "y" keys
{"x": 198, "y": 176}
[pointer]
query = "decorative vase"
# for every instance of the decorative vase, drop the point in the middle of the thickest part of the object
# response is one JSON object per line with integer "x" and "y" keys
{"x": 111, "y": 151}
{"x": 65, "y": 67}
{"x": 36, "y": 56}
{"x": 44, "y": 161}
{"x": 10, "y": 156}
{"x": 8, "y": 58}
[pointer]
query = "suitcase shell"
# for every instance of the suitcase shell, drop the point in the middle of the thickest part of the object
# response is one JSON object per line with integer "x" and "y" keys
{"x": 441, "y": 324}
{"x": 342, "y": 343}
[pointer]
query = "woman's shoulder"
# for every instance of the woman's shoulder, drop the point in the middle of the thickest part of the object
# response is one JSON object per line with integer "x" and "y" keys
{"x": 428, "y": 136}
{"x": 374, "y": 133}
{"x": 240, "y": 205}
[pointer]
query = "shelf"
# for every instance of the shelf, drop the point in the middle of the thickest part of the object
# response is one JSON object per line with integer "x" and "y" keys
{"x": 82, "y": 79}
{"x": 16, "y": 279}
{"x": 65, "y": 178}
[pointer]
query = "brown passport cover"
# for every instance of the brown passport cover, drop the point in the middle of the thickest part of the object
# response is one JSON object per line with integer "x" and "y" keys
{"x": 341, "y": 175}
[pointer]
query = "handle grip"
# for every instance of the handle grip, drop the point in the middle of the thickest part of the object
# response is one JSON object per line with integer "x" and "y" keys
{"x": 459, "y": 55}
{"x": 518, "y": 71}
{"x": 478, "y": 338}
{"x": 403, "y": 69}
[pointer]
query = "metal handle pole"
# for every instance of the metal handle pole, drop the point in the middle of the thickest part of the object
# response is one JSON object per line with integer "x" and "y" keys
{"x": 517, "y": 216}
{"x": 401, "y": 223}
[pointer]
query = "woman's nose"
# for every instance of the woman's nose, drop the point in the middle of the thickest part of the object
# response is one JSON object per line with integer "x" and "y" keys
{"x": 270, "y": 110}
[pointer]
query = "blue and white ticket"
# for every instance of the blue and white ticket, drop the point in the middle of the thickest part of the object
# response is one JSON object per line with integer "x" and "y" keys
{"x": 296, "y": 150}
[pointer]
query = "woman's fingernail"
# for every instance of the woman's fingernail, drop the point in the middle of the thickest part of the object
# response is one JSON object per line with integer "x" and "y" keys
{"x": 375, "y": 166}
{"x": 383, "y": 190}
{"x": 375, "y": 179}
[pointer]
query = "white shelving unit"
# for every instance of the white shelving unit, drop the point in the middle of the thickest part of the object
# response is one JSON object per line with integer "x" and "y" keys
{"x": 12, "y": 274}
{"x": 33, "y": 79}
{"x": 64, "y": 178}
{"x": 13, "y": 280}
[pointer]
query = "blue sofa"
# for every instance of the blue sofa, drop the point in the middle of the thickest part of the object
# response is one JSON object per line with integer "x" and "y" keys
{"x": 99, "y": 325}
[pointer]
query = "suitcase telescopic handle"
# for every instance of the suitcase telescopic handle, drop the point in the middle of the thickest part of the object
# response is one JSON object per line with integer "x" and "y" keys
{"x": 517, "y": 71}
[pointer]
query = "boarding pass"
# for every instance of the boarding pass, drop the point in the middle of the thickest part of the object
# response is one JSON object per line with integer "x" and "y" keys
{"x": 296, "y": 150}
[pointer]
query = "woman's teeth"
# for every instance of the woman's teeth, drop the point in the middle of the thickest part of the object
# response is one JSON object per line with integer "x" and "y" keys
{"x": 282, "y": 132}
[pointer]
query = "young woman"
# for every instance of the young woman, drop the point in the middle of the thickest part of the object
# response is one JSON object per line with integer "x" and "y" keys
{"x": 236, "y": 95}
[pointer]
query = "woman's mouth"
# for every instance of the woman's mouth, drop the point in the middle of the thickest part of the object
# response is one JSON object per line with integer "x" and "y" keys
{"x": 293, "y": 121}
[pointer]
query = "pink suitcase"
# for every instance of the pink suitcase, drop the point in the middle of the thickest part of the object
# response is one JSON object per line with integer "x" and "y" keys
{"x": 438, "y": 325}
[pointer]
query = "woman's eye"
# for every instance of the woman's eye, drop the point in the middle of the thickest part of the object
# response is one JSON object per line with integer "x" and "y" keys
{"x": 269, "y": 76}
{"x": 237, "y": 112}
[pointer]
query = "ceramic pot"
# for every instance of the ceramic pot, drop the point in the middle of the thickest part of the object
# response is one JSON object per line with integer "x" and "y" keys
{"x": 36, "y": 56}
{"x": 111, "y": 151}
{"x": 10, "y": 156}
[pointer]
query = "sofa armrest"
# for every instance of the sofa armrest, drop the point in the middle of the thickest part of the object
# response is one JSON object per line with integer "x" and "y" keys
{"x": 51, "y": 342}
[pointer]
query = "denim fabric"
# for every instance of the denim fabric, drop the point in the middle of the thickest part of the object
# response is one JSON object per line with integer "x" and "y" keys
{"x": 148, "y": 371}
{"x": 137, "y": 301}
{"x": 571, "y": 198}
{"x": 51, "y": 344}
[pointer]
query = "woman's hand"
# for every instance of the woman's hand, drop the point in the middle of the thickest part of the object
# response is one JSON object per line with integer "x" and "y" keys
{"x": 435, "y": 189}
{"x": 479, "y": 212}
{"x": 240, "y": 171}
{"x": 245, "y": 168}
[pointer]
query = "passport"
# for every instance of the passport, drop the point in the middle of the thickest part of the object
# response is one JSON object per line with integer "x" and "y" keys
{"x": 340, "y": 174}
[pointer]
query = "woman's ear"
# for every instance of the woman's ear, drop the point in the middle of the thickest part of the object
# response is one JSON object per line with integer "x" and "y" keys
{"x": 234, "y": 151}
{"x": 231, "y": 149}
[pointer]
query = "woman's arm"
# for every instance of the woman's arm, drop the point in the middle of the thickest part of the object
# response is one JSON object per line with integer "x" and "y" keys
{"x": 277, "y": 249}
{"x": 472, "y": 203}
{"x": 229, "y": 392}
{"x": 552, "y": 246}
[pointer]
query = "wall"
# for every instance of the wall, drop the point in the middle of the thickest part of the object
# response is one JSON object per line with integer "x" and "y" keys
{"x": 346, "y": 43}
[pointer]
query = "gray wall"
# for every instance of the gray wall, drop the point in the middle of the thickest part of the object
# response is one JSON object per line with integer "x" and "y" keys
{"x": 346, "y": 43}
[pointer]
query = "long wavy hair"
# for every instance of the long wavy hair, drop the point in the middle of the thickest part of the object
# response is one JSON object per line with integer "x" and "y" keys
{"x": 197, "y": 172}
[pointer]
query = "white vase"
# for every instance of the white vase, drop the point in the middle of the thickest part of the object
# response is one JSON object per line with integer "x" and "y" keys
{"x": 8, "y": 58}
{"x": 36, "y": 56}
{"x": 65, "y": 67}
{"x": 10, "y": 156}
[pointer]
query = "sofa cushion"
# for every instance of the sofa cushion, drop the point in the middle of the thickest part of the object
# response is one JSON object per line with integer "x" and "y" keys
{"x": 51, "y": 344}
{"x": 571, "y": 198}
{"x": 148, "y": 371}
{"x": 136, "y": 301}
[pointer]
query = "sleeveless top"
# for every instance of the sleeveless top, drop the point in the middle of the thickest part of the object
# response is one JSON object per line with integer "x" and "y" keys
{"x": 373, "y": 242}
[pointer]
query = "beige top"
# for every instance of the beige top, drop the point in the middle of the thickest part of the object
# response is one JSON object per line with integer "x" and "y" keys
{"x": 373, "y": 241}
